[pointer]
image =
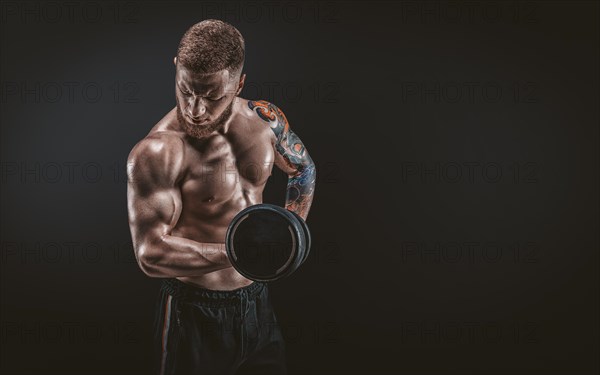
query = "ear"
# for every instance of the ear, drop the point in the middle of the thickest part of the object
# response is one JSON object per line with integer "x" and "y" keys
{"x": 241, "y": 84}
{"x": 175, "y": 60}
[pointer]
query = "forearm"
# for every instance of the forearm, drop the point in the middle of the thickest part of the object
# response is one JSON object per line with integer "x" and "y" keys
{"x": 300, "y": 190}
{"x": 180, "y": 257}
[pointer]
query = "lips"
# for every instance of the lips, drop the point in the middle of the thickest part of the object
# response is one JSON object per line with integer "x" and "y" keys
{"x": 201, "y": 122}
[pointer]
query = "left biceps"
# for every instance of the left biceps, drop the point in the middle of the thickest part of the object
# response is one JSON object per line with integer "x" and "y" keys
{"x": 292, "y": 154}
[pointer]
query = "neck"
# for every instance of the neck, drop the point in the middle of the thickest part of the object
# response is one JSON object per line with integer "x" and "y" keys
{"x": 227, "y": 124}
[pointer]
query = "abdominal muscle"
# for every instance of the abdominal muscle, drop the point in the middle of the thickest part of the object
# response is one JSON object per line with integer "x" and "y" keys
{"x": 212, "y": 229}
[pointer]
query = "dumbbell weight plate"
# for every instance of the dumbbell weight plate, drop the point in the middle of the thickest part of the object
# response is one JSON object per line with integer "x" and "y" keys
{"x": 265, "y": 242}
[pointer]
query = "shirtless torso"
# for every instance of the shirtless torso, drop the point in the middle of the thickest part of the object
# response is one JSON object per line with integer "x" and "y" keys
{"x": 184, "y": 191}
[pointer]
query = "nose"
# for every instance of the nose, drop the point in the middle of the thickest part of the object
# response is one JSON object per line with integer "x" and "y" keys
{"x": 197, "y": 109}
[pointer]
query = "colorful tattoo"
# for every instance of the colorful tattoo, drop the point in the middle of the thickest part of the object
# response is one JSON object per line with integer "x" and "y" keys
{"x": 263, "y": 109}
{"x": 301, "y": 184}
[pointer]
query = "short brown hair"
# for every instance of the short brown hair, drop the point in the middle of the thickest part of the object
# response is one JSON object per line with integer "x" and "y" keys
{"x": 210, "y": 46}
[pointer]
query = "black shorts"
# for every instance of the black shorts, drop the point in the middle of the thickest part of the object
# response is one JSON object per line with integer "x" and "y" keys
{"x": 201, "y": 331}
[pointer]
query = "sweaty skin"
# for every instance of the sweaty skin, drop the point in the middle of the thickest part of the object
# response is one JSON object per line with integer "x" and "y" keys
{"x": 185, "y": 186}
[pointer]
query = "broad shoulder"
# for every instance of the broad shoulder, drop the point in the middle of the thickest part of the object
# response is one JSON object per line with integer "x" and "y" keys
{"x": 157, "y": 145}
{"x": 266, "y": 114}
{"x": 162, "y": 140}
{"x": 157, "y": 158}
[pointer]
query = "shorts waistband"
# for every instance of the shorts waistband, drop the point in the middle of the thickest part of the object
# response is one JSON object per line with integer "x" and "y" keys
{"x": 179, "y": 289}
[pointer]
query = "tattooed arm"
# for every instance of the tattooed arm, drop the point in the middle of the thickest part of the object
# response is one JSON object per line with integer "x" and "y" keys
{"x": 291, "y": 157}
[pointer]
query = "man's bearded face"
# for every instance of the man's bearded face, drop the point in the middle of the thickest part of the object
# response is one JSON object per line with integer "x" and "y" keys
{"x": 204, "y": 100}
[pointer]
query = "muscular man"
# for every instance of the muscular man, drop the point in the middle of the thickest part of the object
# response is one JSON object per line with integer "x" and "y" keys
{"x": 206, "y": 160}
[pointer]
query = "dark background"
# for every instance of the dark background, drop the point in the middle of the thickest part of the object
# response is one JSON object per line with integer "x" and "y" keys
{"x": 455, "y": 219}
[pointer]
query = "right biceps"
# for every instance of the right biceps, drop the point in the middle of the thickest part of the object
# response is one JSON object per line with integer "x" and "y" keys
{"x": 153, "y": 196}
{"x": 152, "y": 216}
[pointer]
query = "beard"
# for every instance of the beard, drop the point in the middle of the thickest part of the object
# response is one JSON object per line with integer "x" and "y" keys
{"x": 204, "y": 130}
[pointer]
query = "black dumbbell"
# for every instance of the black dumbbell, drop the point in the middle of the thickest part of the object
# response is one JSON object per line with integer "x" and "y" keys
{"x": 266, "y": 242}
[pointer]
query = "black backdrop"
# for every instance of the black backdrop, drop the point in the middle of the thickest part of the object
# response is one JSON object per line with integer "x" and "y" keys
{"x": 455, "y": 219}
